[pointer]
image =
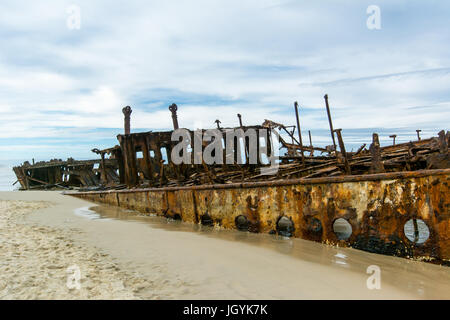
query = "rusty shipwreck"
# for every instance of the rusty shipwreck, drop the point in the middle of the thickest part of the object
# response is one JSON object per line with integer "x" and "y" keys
{"x": 391, "y": 200}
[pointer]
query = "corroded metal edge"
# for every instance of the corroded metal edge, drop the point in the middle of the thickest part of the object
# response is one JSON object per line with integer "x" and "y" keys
{"x": 288, "y": 182}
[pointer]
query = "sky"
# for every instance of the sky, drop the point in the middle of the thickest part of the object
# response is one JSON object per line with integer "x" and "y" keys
{"x": 62, "y": 88}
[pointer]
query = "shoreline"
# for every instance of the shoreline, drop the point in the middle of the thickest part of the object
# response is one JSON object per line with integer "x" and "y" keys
{"x": 154, "y": 259}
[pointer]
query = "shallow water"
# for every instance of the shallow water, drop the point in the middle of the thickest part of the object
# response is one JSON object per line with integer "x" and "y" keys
{"x": 420, "y": 279}
{"x": 87, "y": 213}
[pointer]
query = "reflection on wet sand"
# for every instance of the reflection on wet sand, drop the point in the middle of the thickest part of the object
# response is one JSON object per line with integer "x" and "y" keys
{"x": 419, "y": 279}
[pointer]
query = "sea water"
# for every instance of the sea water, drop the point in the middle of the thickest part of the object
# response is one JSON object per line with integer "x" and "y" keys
{"x": 7, "y": 177}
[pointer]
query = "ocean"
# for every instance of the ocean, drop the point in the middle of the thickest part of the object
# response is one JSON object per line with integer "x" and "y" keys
{"x": 7, "y": 177}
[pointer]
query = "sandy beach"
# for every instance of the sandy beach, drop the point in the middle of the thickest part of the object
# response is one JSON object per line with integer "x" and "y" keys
{"x": 45, "y": 236}
{"x": 35, "y": 260}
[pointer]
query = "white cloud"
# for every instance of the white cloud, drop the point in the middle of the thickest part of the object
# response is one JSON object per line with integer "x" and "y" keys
{"x": 252, "y": 57}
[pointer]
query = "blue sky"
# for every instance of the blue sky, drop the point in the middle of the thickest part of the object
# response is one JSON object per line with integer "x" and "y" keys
{"x": 62, "y": 90}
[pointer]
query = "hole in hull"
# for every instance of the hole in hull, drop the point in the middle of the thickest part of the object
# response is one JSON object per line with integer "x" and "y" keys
{"x": 241, "y": 223}
{"x": 416, "y": 230}
{"x": 315, "y": 225}
{"x": 342, "y": 228}
{"x": 206, "y": 220}
{"x": 285, "y": 227}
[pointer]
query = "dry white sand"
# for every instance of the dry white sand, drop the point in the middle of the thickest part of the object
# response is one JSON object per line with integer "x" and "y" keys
{"x": 34, "y": 261}
{"x": 40, "y": 237}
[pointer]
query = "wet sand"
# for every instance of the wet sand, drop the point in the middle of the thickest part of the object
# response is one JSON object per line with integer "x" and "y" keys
{"x": 124, "y": 256}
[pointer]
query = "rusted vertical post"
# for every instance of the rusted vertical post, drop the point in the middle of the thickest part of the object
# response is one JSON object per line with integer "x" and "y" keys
{"x": 299, "y": 131}
{"x": 119, "y": 156}
{"x": 146, "y": 154}
{"x": 161, "y": 172}
{"x": 129, "y": 159}
{"x": 377, "y": 165}
{"x": 240, "y": 120}
{"x": 443, "y": 143}
{"x": 343, "y": 152}
{"x": 416, "y": 230}
{"x": 330, "y": 121}
{"x": 310, "y": 143}
{"x": 27, "y": 181}
{"x": 393, "y": 137}
{"x": 418, "y": 134}
{"x": 103, "y": 176}
{"x": 127, "y": 112}
{"x": 173, "y": 108}
{"x": 247, "y": 151}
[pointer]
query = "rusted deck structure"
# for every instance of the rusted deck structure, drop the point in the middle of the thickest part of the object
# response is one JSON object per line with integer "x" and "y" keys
{"x": 67, "y": 174}
{"x": 144, "y": 158}
{"x": 147, "y": 161}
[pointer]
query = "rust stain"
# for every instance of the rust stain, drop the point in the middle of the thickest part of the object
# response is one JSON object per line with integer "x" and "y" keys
{"x": 376, "y": 209}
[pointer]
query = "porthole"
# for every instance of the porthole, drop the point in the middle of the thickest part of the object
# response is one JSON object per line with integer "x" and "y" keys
{"x": 315, "y": 225}
{"x": 342, "y": 228}
{"x": 285, "y": 227}
{"x": 241, "y": 223}
{"x": 206, "y": 220}
{"x": 416, "y": 230}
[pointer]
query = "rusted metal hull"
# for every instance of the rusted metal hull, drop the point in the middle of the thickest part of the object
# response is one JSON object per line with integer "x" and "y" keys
{"x": 67, "y": 174}
{"x": 377, "y": 207}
